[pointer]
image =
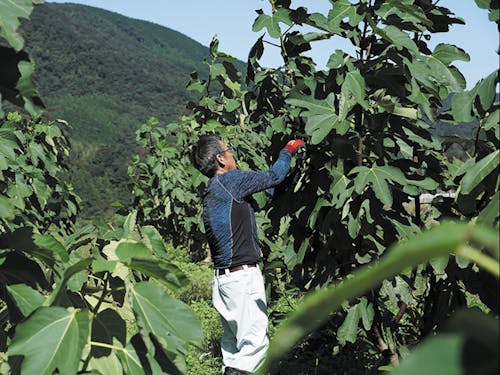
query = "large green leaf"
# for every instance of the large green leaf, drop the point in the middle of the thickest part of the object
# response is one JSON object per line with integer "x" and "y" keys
{"x": 461, "y": 106}
{"x": 171, "y": 321}
{"x": 154, "y": 241}
{"x": 341, "y": 10}
{"x": 130, "y": 361}
{"x": 271, "y": 23}
{"x": 378, "y": 176}
{"x": 348, "y": 331}
{"x": 125, "y": 251}
{"x": 405, "y": 10}
{"x": 485, "y": 88}
{"x": 49, "y": 242}
{"x": 321, "y": 115}
{"x": 10, "y": 13}
{"x": 27, "y": 299}
{"x": 52, "y": 338}
{"x": 438, "y": 355}
{"x": 354, "y": 86}
{"x": 106, "y": 365}
{"x": 6, "y": 208}
{"x": 479, "y": 171}
{"x": 398, "y": 38}
{"x": 491, "y": 212}
{"x": 165, "y": 273}
{"x": 439, "y": 64}
{"x": 447, "y": 53}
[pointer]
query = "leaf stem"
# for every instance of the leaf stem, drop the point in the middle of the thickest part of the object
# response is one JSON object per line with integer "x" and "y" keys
{"x": 107, "y": 346}
{"x": 103, "y": 295}
{"x": 482, "y": 260}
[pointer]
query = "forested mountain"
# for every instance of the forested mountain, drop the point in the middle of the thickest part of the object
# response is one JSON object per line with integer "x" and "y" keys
{"x": 106, "y": 74}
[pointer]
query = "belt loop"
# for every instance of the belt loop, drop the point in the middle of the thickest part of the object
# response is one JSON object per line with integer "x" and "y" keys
{"x": 226, "y": 271}
{"x": 245, "y": 267}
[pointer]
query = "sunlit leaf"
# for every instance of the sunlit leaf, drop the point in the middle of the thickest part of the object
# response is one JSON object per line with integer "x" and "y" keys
{"x": 171, "y": 321}
{"x": 167, "y": 274}
{"x": 106, "y": 365}
{"x": 399, "y": 38}
{"x": 491, "y": 212}
{"x": 479, "y": 171}
{"x": 10, "y": 13}
{"x": 486, "y": 90}
{"x": 51, "y": 338}
{"x": 50, "y": 243}
{"x": 27, "y": 299}
{"x": 347, "y": 332}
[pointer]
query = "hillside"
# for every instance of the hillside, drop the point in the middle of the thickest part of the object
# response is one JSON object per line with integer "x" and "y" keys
{"x": 106, "y": 74}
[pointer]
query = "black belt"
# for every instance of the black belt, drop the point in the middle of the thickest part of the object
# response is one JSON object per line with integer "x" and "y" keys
{"x": 220, "y": 271}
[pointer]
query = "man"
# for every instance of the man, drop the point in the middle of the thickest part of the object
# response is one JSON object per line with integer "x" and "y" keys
{"x": 238, "y": 291}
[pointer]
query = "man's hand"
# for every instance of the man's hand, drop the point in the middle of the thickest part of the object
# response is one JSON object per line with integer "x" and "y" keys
{"x": 294, "y": 145}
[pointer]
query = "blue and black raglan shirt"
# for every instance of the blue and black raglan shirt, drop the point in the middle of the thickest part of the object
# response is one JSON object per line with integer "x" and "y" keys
{"x": 229, "y": 217}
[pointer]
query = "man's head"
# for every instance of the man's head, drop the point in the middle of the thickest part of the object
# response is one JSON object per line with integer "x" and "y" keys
{"x": 211, "y": 156}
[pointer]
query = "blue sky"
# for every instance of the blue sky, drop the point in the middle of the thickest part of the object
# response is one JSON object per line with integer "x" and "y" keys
{"x": 232, "y": 22}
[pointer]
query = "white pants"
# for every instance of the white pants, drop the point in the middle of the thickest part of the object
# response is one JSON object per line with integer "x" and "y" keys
{"x": 240, "y": 299}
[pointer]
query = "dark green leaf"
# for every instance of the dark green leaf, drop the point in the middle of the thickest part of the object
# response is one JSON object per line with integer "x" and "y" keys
{"x": 106, "y": 326}
{"x": 399, "y": 38}
{"x": 447, "y": 53}
{"x": 366, "y": 312}
{"x": 354, "y": 85}
{"x": 106, "y": 365}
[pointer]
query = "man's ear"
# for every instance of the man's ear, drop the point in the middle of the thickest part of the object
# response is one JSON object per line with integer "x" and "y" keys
{"x": 220, "y": 160}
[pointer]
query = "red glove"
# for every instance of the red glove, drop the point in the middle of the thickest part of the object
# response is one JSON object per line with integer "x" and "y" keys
{"x": 294, "y": 145}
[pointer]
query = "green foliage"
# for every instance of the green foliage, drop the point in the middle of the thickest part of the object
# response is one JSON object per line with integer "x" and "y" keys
{"x": 109, "y": 293}
{"x": 439, "y": 241}
{"x": 329, "y": 232}
{"x": 368, "y": 122}
{"x": 32, "y": 191}
{"x": 17, "y": 68}
{"x": 51, "y": 338}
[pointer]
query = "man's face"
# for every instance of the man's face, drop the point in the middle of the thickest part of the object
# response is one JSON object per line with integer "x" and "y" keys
{"x": 226, "y": 158}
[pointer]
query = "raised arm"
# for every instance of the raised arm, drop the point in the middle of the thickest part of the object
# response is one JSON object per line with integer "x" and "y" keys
{"x": 244, "y": 183}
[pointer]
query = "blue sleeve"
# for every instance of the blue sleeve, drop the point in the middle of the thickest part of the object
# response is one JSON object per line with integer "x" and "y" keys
{"x": 244, "y": 183}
